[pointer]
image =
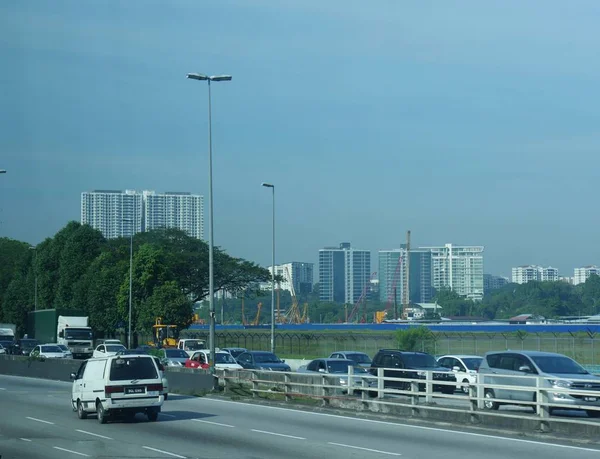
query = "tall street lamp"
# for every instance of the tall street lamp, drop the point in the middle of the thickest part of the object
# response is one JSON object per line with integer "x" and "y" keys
{"x": 130, "y": 277}
{"x": 211, "y": 286}
{"x": 269, "y": 185}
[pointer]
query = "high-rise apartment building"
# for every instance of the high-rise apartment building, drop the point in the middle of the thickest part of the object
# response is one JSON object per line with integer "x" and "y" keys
{"x": 118, "y": 213}
{"x": 582, "y": 274}
{"x": 459, "y": 268}
{"x": 296, "y": 273}
{"x": 392, "y": 272}
{"x": 344, "y": 273}
{"x": 114, "y": 213}
{"x": 491, "y": 282}
{"x": 527, "y": 273}
{"x": 184, "y": 211}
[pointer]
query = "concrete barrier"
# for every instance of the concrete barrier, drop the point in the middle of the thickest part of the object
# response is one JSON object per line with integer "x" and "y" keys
{"x": 54, "y": 369}
{"x": 181, "y": 380}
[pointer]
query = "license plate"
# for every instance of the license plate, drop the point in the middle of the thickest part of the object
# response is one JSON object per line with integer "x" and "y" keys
{"x": 590, "y": 399}
{"x": 135, "y": 390}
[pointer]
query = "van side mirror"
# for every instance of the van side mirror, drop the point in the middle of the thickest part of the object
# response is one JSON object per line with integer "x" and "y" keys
{"x": 282, "y": 361}
{"x": 61, "y": 334}
{"x": 73, "y": 376}
{"x": 455, "y": 368}
{"x": 525, "y": 368}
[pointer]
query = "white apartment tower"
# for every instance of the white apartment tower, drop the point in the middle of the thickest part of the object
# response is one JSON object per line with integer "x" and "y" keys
{"x": 117, "y": 213}
{"x": 459, "y": 268}
{"x": 527, "y": 273}
{"x": 114, "y": 213}
{"x": 296, "y": 273}
{"x": 184, "y": 211}
{"x": 582, "y": 274}
{"x": 344, "y": 273}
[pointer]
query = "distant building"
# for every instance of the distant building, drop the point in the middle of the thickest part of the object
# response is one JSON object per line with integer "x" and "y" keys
{"x": 582, "y": 274}
{"x": 459, "y": 268}
{"x": 491, "y": 282}
{"x": 181, "y": 210}
{"x": 114, "y": 213}
{"x": 296, "y": 273}
{"x": 420, "y": 310}
{"x": 117, "y": 213}
{"x": 392, "y": 272}
{"x": 527, "y": 273}
{"x": 344, "y": 273}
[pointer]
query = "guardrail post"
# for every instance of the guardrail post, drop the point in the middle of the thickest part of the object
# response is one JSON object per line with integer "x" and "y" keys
{"x": 541, "y": 408}
{"x": 380, "y": 383}
{"x": 324, "y": 383}
{"x": 350, "y": 383}
{"x": 287, "y": 387}
{"x": 428, "y": 386}
{"x": 414, "y": 388}
{"x": 254, "y": 384}
{"x": 365, "y": 385}
{"x": 480, "y": 391}
{"x": 223, "y": 375}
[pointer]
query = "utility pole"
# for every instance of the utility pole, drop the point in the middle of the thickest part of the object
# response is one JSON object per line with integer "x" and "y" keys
{"x": 406, "y": 289}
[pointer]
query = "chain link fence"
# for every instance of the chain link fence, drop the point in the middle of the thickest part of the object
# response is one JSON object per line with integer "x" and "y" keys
{"x": 583, "y": 347}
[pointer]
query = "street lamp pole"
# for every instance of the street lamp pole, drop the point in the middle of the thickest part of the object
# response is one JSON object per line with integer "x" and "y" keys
{"x": 269, "y": 185}
{"x": 130, "y": 284}
{"x": 211, "y": 284}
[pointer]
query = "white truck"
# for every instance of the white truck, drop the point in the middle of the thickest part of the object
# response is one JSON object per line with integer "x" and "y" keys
{"x": 191, "y": 345}
{"x": 75, "y": 333}
{"x": 7, "y": 332}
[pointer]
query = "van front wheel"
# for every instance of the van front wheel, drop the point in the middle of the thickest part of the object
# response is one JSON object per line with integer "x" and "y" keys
{"x": 81, "y": 414}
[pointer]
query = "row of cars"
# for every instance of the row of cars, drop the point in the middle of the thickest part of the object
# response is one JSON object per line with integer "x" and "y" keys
{"x": 509, "y": 375}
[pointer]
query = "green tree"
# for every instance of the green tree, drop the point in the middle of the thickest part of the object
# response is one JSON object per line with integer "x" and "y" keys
{"x": 169, "y": 302}
{"x": 415, "y": 339}
{"x": 17, "y": 303}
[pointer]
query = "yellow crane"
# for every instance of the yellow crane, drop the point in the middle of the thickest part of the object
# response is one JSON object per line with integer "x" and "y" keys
{"x": 257, "y": 318}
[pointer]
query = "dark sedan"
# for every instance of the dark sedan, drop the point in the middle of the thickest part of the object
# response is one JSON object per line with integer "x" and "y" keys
{"x": 262, "y": 360}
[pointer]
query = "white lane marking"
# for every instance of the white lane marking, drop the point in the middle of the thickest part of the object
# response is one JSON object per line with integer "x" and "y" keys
{"x": 399, "y": 424}
{"x": 365, "y": 449}
{"x": 25, "y": 439}
{"x": 39, "y": 420}
{"x": 163, "y": 452}
{"x": 277, "y": 434}
{"x": 213, "y": 423}
{"x": 70, "y": 451}
{"x": 93, "y": 434}
{"x": 168, "y": 415}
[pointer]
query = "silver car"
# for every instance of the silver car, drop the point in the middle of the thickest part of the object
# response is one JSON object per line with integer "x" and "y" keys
{"x": 509, "y": 368}
{"x": 338, "y": 369}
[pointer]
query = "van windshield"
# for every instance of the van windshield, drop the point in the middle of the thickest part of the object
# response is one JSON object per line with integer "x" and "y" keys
{"x": 130, "y": 368}
{"x": 558, "y": 365}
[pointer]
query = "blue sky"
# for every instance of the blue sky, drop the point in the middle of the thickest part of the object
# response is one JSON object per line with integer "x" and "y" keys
{"x": 467, "y": 122}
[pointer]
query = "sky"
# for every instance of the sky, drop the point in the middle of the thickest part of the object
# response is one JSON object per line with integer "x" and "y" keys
{"x": 467, "y": 122}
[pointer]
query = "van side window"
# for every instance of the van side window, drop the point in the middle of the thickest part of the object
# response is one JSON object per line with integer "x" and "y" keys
{"x": 81, "y": 370}
{"x": 494, "y": 360}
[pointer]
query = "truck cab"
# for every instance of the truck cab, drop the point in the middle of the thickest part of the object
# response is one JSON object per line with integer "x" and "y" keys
{"x": 191, "y": 345}
{"x": 74, "y": 333}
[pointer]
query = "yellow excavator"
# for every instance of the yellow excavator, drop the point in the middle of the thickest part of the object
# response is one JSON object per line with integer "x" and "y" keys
{"x": 163, "y": 335}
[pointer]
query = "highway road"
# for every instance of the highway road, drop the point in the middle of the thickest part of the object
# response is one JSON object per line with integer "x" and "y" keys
{"x": 36, "y": 421}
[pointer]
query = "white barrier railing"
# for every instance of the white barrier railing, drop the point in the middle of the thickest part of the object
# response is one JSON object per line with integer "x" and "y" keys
{"x": 524, "y": 390}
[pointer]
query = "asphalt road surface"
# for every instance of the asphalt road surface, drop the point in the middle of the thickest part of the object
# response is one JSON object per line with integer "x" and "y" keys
{"x": 36, "y": 421}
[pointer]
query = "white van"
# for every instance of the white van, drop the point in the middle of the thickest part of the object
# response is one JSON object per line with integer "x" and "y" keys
{"x": 120, "y": 385}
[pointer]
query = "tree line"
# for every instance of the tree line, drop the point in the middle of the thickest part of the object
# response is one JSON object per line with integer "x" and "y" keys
{"x": 79, "y": 269}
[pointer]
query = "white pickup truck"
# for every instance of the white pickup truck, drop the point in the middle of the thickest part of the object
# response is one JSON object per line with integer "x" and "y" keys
{"x": 191, "y": 345}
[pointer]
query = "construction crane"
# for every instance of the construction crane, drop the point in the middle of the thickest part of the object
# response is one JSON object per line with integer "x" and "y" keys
{"x": 243, "y": 315}
{"x": 305, "y": 318}
{"x": 257, "y": 318}
{"x": 293, "y": 315}
{"x": 362, "y": 297}
{"x": 403, "y": 259}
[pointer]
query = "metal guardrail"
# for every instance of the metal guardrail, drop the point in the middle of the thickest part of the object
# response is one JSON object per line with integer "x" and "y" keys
{"x": 420, "y": 393}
